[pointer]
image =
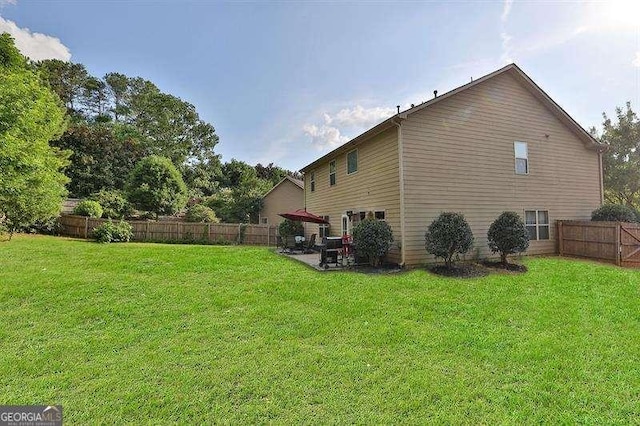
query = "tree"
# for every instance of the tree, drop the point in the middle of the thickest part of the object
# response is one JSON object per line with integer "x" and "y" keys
{"x": 114, "y": 203}
{"x": 614, "y": 213}
{"x": 200, "y": 213}
{"x": 447, "y": 236}
{"x": 507, "y": 235}
{"x": 155, "y": 185}
{"x": 67, "y": 80}
{"x": 103, "y": 155}
{"x": 31, "y": 181}
{"x": 621, "y": 163}
{"x": 373, "y": 239}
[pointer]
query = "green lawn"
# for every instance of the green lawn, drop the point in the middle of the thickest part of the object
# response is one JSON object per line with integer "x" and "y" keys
{"x": 152, "y": 333}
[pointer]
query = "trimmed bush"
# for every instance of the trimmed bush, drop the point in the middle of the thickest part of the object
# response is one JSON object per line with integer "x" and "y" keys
{"x": 614, "y": 213}
{"x": 200, "y": 213}
{"x": 110, "y": 232}
{"x": 114, "y": 204}
{"x": 88, "y": 208}
{"x": 508, "y": 235}
{"x": 372, "y": 239}
{"x": 448, "y": 236}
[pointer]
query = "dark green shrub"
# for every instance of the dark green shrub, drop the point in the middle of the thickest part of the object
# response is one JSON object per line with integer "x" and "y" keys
{"x": 200, "y": 213}
{"x": 110, "y": 232}
{"x": 372, "y": 239}
{"x": 614, "y": 213}
{"x": 507, "y": 235}
{"x": 155, "y": 185}
{"x": 289, "y": 227}
{"x": 114, "y": 204}
{"x": 448, "y": 236}
{"x": 88, "y": 208}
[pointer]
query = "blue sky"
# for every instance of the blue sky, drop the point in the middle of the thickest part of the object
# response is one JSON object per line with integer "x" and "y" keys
{"x": 286, "y": 82}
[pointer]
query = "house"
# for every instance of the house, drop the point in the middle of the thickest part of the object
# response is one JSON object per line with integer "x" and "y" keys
{"x": 286, "y": 195}
{"x": 497, "y": 143}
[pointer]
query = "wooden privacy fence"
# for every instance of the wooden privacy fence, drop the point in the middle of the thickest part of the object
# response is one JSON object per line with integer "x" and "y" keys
{"x": 614, "y": 242}
{"x": 215, "y": 233}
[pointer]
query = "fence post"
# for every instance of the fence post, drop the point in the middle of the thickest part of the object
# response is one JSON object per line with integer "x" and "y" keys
{"x": 146, "y": 231}
{"x": 560, "y": 238}
{"x": 86, "y": 228}
{"x": 209, "y": 231}
{"x": 618, "y": 247}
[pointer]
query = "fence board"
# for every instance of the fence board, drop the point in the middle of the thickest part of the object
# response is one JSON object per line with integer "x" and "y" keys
{"x": 214, "y": 233}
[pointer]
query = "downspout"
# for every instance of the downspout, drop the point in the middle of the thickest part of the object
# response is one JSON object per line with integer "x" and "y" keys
{"x": 401, "y": 182}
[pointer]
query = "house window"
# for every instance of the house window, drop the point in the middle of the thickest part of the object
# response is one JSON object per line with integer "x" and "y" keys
{"x": 312, "y": 181}
{"x": 264, "y": 220}
{"x": 352, "y": 161}
{"x": 323, "y": 228}
{"x": 522, "y": 158}
{"x": 537, "y": 223}
{"x": 345, "y": 224}
{"x": 332, "y": 173}
{"x": 380, "y": 215}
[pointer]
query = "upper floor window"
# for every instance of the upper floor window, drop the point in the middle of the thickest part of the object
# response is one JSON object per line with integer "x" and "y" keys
{"x": 522, "y": 158}
{"x": 312, "y": 181}
{"x": 352, "y": 161}
{"x": 537, "y": 223}
{"x": 332, "y": 173}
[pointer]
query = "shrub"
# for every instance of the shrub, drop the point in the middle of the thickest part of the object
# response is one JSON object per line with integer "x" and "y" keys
{"x": 614, "y": 213}
{"x": 288, "y": 228}
{"x": 114, "y": 204}
{"x": 200, "y": 213}
{"x": 507, "y": 235}
{"x": 447, "y": 236}
{"x": 372, "y": 239}
{"x": 88, "y": 208}
{"x": 156, "y": 185}
{"x": 109, "y": 232}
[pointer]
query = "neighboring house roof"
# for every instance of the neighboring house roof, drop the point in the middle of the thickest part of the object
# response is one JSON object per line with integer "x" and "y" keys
{"x": 296, "y": 182}
{"x": 514, "y": 70}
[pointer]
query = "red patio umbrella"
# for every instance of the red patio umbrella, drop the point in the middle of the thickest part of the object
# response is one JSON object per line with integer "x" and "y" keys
{"x": 301, "y": 215}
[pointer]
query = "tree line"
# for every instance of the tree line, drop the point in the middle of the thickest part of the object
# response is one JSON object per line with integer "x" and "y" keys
{"x": 108, "y": 124}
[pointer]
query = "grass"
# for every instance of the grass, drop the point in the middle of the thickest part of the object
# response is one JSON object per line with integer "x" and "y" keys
{"x": 151, "y": 333}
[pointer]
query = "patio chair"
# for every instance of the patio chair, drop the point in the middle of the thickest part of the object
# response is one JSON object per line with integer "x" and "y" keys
{"x": 310, "y": 248}
{"x": 290, "y": 243}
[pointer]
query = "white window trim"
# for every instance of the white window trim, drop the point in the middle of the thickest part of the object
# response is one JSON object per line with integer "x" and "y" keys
{"x": 324, "y": 226}
{"x": 516, "y": 158}
{"x": 380, "y": 210}
{"x": 538, "y": 225}
{"x": 347, "y": 162}
{"x": 312, "y": 181}
{"x": 343, "y": 230}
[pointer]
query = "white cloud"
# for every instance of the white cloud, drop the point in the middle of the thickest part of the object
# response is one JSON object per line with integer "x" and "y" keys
{"x": 324, "y": 137}
{"x": 506, "y": 57}
{"x": 359, "y": 116}
{"x": 331, "y": 132}
{"x": 636, "y": 61}
{"x": 36, "y": 46}
{"x": 506, "y": 9}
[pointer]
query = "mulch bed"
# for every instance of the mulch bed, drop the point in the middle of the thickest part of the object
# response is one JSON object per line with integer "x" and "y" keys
{"x": 510, "y": 267}
{"x": 462, "y": 270}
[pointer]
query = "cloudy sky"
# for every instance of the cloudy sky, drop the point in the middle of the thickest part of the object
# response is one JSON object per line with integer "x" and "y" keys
{"x": 285, "y": 82}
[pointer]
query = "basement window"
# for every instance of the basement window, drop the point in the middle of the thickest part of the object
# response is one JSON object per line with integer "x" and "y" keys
{"x": 537, "y": 224}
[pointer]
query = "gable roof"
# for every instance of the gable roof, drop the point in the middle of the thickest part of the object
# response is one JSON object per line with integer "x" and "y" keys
{"x": 296, "y": 182}
{"x": 589, "y": 141}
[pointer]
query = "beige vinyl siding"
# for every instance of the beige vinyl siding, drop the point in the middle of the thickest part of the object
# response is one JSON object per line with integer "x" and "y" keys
{"x": 459, "y": 156}
{"x": 287, "y": 196}
{"x": 375, "y": 186}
